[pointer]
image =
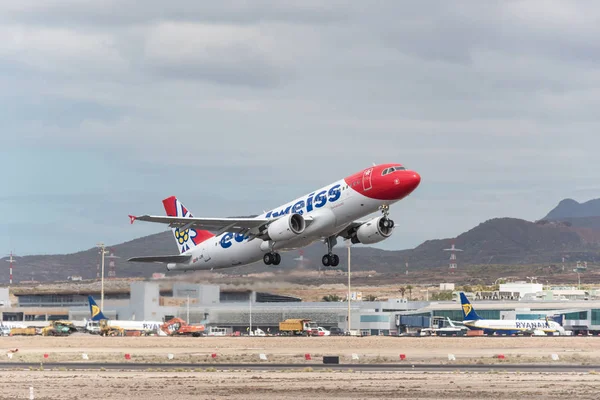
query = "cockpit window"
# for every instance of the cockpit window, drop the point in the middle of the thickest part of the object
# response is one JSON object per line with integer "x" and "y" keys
{"x": 392, "y": 169}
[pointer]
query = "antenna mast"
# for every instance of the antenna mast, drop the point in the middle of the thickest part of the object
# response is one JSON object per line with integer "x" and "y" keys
{"x": 453, "y": 265}
{"x": 11, "y": 260}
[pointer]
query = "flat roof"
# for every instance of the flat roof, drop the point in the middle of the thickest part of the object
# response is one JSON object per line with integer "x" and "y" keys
{"x": 514, "y": 305}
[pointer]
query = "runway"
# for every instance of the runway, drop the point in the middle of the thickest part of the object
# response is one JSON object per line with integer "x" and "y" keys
{"x": 403, "y": 367}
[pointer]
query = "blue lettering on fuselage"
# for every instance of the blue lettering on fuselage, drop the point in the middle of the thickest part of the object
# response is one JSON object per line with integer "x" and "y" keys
{"x": 318, "y": 201}
{"x": 228, "y": 236}
{"x": 307, "y": 205}
{"x": 532, "y": 325}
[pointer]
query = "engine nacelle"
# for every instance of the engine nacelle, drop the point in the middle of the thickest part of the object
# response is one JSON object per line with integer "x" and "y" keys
{"x": 373, "y": 231}
{"x": 286, "y": 228}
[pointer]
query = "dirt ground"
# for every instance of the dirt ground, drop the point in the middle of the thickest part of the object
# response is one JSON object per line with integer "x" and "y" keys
{"x": 246, "y": 385}
{"x": 373, "y": 349}
{"x": 207, "y": 383}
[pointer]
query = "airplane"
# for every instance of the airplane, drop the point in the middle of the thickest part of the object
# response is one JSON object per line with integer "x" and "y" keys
{"x": 93, "y": 325}
{"x": 12, "y": 324}
{"x": 325, "y": 214}
{"x": 509, "y": 327}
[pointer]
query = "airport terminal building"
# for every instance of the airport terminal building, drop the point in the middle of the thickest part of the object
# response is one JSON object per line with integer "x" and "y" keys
{"x": 237, "y": 310}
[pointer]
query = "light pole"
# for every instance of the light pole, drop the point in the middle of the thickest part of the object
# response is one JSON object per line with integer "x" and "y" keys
{"x": 102, "y": 252}
{"x": 250, "y": 325}
{"x": 349, "y": 324}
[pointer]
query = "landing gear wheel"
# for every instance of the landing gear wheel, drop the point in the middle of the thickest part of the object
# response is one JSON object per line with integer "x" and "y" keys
{"x": 330, "y": 260}
{"x": 268, "y": 258}
{"x": 272, "y": 258}
{"x": 335, "y": 260}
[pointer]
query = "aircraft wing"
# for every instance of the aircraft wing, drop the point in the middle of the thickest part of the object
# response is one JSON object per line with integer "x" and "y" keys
{"x": 162, "y": 259}
{"x": 209, "y": 224}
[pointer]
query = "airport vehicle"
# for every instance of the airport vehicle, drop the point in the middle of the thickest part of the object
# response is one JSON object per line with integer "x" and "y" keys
{"x": 23, "y": 331}
{"x": 178, "y": 327}
{"x": 450, "y": 330}
{"x": 297, "y": 327}
{"x": 93, "y": 325}
{"x": 320, "y": 331}
{"x": 104, "y": 329}
{"x": 504, "y": 326}
{"x": 336, "y": 210}
{"x": 335, "y": 331}
{"x": 216, "y": 331}
{"x": 59, "y": 328}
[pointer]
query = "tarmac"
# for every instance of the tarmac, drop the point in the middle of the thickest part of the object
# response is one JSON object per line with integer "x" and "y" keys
{"x": 83, "y": 366}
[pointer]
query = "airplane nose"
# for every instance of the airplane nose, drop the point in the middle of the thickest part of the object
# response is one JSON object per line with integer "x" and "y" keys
{"x": 414, "y": 180}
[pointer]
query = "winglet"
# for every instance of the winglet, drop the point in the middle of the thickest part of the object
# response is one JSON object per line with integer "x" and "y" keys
{"x": 132, "y": 218}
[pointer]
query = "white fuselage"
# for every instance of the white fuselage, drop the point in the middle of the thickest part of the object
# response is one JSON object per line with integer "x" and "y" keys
{"x": 94, "y": 326}
{"x": 514, "y": 326}
{"x": 332, "y": 212}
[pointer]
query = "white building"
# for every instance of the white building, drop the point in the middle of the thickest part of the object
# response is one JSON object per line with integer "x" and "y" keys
{"x": 522, "y": 288}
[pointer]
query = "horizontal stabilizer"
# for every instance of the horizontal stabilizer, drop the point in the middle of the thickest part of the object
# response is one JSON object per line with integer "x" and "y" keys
{"x": 163, "y": 259}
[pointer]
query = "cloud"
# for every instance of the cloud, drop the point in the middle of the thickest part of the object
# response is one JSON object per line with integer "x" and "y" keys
{"x": 494, "y": 103}
{"x": 90, "y": 13}
{"x": 60, "y": 51}
{"x": 217, "y": 53}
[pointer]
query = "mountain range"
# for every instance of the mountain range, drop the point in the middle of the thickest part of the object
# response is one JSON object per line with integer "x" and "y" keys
{"x": 570, "y": 230}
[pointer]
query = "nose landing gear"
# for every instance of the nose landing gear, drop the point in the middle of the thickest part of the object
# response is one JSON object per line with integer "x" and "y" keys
{"x": 386, "y": 222}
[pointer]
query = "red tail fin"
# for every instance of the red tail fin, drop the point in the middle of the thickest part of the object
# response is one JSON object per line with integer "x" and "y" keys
{"x": 188, "y": 238}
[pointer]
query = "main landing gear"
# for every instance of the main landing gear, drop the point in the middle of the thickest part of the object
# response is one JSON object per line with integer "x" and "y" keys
{"x": 272, "y": 258}
{"x": 330, "y": 259}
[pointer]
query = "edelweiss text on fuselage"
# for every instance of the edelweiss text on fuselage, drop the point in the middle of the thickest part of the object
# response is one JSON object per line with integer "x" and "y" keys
{"x": 311, "y": 202}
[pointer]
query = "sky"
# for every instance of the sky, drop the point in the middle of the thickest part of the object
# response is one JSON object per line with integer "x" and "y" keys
{"x": 236, "y": 107}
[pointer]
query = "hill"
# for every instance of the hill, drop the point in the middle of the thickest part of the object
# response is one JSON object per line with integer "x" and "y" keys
{"x": 569, "y": 208}
{"x": 511, "y": 241}
{"x": 499, "y": 241}
{"x": 580, "y": 215}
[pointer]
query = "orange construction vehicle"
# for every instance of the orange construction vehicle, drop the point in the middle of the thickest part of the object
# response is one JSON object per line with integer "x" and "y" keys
{"x": 178, "y": 327}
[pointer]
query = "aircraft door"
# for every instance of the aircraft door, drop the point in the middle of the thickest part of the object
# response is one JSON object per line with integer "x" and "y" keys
{"x": 205, "y": 253}
{"x": 367, "y": 179}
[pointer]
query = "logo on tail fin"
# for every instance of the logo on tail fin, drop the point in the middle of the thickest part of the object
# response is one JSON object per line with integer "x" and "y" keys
{"x": 95, "y": 310}
{"x": 186, "y": 238}
{"x": 467, "y": 308}
{"x": 468, "y": 312}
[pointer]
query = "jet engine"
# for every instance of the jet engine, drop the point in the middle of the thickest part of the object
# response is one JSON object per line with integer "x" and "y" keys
{"x": 373, "y": 231}
{"x": 286, "y": 228}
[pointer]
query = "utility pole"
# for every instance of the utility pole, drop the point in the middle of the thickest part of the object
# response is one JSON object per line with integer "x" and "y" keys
{"x": 188, "y": 309}
{"x": 102, "y": 252}
{"x": 250, "y": 298}
{"x": 349, "y": 294}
